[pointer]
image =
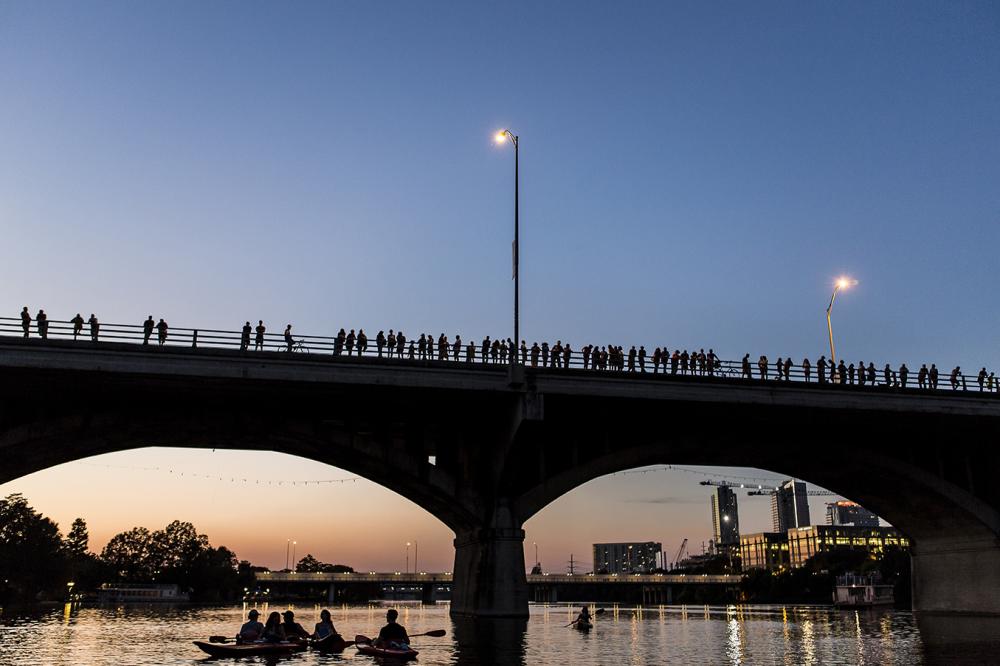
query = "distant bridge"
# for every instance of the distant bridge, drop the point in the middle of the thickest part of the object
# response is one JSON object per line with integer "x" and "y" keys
{"x": 484, "y": 447}
{"x": 638, "y": 588}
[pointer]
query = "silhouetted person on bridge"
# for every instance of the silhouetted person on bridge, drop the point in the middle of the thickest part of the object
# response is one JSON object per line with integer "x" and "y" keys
{"x": 762, "y": 367}
{"x": 990, "y": 382}
{"x": 567, "y": 355}
{"x": 258, "y": 341}
{"x": 42, "y": 323}
{"x": 412, "y": 351}
{"x": 456, "y": 348}
{"x": 484, "y": 350}
{"x": 77, "y": 322}
{"x": 245, "y": 337}
{"x": 904, "y": 373}
{"x": 631, "y": 359}
{"x": 713, "y": 362}
{"x": 338, "y": 344}
{"x": 642, "y": 359}
{"x": 391, "y": 341}
{"x": 933, "y": 376}
{"x": 289, "y": 341}
{"x": 746, "y": 368}
{"x": 806, "y": 369}
{"x": 401, "y": 344}
{"x": 850, "y": 375}
{"x": 834, "y": 377}
{"x": 871, "y": 373}
{"x": 535, "y": 351}
{"x": 147, "y": 329}
{"x": 821, "y": 369}
{"x": 470, "y": 352}
{"x": 524, "y": 353}
{"x": 861, "y": 373}
{"x": 779, "y": 368}
{"x": 95, "y": 327}
{"x": 350, "y": 342}
{"x": 922, "y": 376}
{"x": 362, "y": 342}
{"x": 887, "y": 375}
{"x": 380, "y": 343}
{"x": 25, "y": 321}
{"x": 841, "y": 372}
{"x": 954, "y": 377}
{"x": 981, "y": 378}
{"x": 161, "y": 332}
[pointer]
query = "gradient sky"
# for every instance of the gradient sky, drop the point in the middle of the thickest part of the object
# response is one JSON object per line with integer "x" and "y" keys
{"x": 692, "y": 175}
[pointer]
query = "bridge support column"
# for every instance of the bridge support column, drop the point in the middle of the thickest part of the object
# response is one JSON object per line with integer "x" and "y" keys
{"x": 489, "y": 579}
{"x": 956, "y": 577}
{"x": 331, "y": 594}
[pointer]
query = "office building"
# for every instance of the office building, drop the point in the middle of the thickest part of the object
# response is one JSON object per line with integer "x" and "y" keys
{"x": 804, "y": 542}
{"x": 624, "y": 558}
{"x": 849, "y": 513}
{"x": 725, "y": 518}
{"x": 789, "y": 506}
{"x": 764, "y": 550}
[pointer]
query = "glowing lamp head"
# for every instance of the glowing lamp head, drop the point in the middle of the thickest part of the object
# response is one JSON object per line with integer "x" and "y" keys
{"x": 844, "y": 282}
{"x": 500, "y": 136}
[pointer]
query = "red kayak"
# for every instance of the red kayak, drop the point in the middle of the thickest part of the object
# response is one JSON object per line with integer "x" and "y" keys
{"x": 249, "y": 649}
{"x": 365, "y": 646}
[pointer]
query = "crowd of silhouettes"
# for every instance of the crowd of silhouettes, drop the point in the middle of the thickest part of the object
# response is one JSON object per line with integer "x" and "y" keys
{"x": 560, "y": 355}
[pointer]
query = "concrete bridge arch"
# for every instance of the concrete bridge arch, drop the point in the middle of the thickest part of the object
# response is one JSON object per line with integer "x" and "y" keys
{"x": 483, "y": 449}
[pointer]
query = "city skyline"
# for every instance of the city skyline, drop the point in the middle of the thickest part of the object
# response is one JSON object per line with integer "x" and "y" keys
{"x": 689, "y": 178}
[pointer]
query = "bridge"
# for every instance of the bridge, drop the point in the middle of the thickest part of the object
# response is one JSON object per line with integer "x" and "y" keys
{"x": 485, "y": 446}
{"x": 546, "y": 587}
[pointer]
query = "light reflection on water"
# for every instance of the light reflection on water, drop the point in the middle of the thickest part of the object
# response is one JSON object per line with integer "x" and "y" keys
{"x": 624, "y": 635}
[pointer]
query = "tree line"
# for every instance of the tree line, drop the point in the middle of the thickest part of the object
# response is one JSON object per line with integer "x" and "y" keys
{"x": 38, "y": 563}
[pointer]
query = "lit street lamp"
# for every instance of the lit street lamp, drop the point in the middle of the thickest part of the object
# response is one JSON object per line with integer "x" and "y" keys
{"x": 841, "y": 283}
{"x": 288, "y": 545}
{"x": 500, "y": 137}
{"x": 407, "y": 569}
{"x": 294, "y": 543}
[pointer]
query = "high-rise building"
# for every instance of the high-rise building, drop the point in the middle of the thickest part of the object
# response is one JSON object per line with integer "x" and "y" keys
{"x": 635, "y": 557}
{"x": 789, "y": 506}
{"x": 725, "y": 518}
{"x": 849, "y": 513}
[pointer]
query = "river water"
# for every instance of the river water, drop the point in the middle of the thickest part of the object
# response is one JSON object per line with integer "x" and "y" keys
{"x": 786, "y": 635}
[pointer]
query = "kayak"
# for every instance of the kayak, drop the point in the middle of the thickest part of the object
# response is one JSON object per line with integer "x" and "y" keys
{"x": 365, "y": 646}
{"x": 331, "y": 643}
{"x": 248, "y": 649}
{"x": 584, "y": 625}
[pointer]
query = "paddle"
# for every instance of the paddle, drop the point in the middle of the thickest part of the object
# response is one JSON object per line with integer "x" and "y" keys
{"x": 218, "y": 639}
{"x": 437, "y": 633}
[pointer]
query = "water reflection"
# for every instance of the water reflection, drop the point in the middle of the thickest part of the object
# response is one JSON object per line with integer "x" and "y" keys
{"x": 489, "y": 642}
{"x": 66, "y": 636}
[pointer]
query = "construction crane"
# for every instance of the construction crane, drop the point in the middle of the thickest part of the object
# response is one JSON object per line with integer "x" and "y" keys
{"x": 753, "y": 489}
{"x": 680, "y": 551}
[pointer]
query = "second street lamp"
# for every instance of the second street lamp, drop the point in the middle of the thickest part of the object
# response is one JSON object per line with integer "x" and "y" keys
{"x": 500, "y": 137}
{"x": 841, "y": 283}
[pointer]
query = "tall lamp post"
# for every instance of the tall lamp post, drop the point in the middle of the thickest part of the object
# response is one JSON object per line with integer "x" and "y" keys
{"x": 501, "y": 137}
{"x": 407, "y": 557}
{"x": 841, "y": 283}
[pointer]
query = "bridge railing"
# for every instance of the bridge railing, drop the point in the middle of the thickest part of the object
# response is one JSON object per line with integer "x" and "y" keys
{"x": 206, "y": 338}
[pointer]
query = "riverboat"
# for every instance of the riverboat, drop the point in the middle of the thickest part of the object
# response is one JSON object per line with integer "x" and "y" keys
{"x": 854, "y": 591}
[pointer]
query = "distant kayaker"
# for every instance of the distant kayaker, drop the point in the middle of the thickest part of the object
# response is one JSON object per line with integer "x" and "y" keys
{"x": 252, "y": 630}
{"x": 274, "y": 632}
{"x": 584, "y": 615}
{"x": 393, "y": 635}
{"x": 325, "y": 626}
{"x": 292, "y": 628}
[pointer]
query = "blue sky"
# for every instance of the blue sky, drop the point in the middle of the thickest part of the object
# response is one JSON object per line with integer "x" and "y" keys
{"x": 693, "y": 174}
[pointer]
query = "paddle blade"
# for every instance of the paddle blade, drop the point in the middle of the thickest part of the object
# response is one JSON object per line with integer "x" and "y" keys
{"x": 218, "y": 639}
{"x": 437, "y": 633}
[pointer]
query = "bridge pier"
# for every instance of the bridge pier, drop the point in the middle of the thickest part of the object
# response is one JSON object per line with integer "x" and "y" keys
{"x": 956, "y": 576}
{"x": 488, "y": 579}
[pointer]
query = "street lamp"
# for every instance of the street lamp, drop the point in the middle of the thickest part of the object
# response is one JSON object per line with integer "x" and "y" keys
{"x": 501, "y": 137}
{"x": 288, "y": 546}
{"x": 407, "y": 569}
{"x": 841, "y": 283}
{"x": 535, "y": 544}
{"x": 294, "y": 544}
